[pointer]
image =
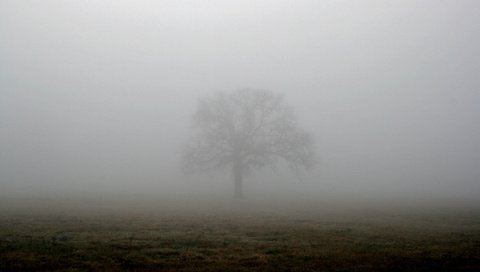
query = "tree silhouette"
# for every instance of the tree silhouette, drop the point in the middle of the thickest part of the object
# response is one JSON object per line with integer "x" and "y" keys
{"x": 245, "y": 130}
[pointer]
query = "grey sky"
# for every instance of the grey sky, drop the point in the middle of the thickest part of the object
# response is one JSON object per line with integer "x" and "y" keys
{"x": 99, "y": 94}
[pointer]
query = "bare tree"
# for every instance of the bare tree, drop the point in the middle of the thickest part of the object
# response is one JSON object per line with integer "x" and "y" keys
{"x": 245, "y": 130}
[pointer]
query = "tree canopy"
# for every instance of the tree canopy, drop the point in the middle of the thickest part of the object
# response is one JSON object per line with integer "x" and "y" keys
{"x": 246, "y": 129}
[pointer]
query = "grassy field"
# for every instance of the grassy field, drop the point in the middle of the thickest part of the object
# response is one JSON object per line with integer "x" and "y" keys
{"x": 227, "y": 237}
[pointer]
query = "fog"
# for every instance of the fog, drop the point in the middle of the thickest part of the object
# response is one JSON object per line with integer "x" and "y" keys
{"x": 96, "y": 97}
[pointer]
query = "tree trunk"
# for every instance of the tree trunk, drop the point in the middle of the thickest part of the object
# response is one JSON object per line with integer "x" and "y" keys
{"x": 238, "y": 179}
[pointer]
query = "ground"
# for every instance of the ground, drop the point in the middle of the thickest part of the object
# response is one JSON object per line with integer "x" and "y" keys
{"x": 232, "y": 237}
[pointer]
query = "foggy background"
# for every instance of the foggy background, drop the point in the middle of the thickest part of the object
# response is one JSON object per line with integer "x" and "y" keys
{"x": 96, "y": 97}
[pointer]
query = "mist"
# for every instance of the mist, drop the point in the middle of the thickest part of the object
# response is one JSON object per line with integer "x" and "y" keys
{"x": 96, "y": 98}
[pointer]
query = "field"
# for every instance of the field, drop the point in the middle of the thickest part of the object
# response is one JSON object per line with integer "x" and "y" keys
{"x": 227, "y": 236}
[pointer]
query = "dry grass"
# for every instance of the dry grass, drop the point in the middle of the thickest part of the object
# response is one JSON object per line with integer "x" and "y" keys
{"x": 240, "y": 240}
